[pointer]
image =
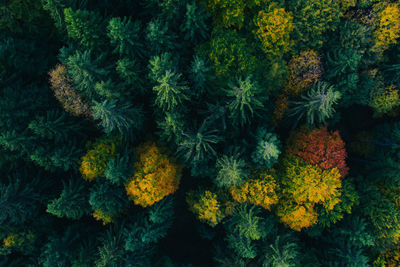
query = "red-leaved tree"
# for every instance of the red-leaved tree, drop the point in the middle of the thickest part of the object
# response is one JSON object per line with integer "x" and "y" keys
{"x": 319, "y": 147}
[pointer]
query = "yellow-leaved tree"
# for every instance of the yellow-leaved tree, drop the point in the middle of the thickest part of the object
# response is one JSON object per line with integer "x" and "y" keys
{"x": 303, "y": 186}
{"x": 156, "y": 175}
{"x": 206, "y": 206}
{"x": 260, "y": 191}
{"x": 274, "y": 26}
{"x": 387, "y": 25}
{"x": 94, "y": 162}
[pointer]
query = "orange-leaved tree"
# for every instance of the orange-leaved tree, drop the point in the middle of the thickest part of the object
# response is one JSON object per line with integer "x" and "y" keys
{"x": 156, "y": 175}
{"x": 319, "y": 147}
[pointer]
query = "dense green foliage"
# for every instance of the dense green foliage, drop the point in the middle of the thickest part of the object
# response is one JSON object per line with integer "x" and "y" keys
{"x": 199, "y": 133}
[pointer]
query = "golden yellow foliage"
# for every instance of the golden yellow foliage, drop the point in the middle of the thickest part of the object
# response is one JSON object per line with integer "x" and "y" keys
{"x": 302, "y": 187}
{"x": 273, "y": 29}
{"x": 386, "y": 100}
{"x": 260, "y": 191}
{"x": 296, "y": 216}
{"x": 106, "y": 218}
{"x": 206, "y": 206}
{"x": 309, "y": 184}
{"x": 387, "y": 28}
{"x": 156, "y": 176}
{"x": 94, "y": 163}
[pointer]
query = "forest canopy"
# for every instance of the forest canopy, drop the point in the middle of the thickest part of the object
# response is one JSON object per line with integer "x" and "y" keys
{"x": 199, "y": 133}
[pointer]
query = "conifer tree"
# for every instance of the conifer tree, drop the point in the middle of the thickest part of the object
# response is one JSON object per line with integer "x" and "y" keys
{"x": 231, "y": 171}
{"x": 118, "y": 118}
{"x": 72, "y": 202}
{"x": 317, "y": 105}
{"x": 170, "y": 91}
{"x": 244, "y": 99}
{"x": 125, "y": 36}
{"x": 84, "y": 26}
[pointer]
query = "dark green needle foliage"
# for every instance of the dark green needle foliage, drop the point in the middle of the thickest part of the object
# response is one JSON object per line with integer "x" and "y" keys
{"x": 117, "y": 117}
{"x": 200, "y": 74}
{"x": 244, "y": 99}
{"x": 119, "y": 170}
{"x": 18, "y": 200}
{"x": 130, "y": 72}
{"x": 195, "y": 25}
{"x": 283, "y": 252}
{"x": 199, "y": 145}
{"x": 244, "y": 227}
{"x": 108, "y": 198}
{"x": 125, "y": 36}
{"x": 56, "y": 125}
{"x": 87, "y": 27}
{"x": 85, "y": 71}
{"x": 171, "y": 127}
{"x": 317, "y": 105}
{"x": 72, "y": 202}
{"x": 59, "y": 250}
{"x": 159, "y": 38}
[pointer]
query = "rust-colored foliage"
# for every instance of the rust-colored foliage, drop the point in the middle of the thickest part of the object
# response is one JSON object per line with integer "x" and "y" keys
{"x": 156, "y": 175}
{"x": 281, "y": 106}
{"x": 71, "y": 101}
{"x": 260, "y": 191}
{"x": 319, "y": 147}
{"x": 304, "y": 69}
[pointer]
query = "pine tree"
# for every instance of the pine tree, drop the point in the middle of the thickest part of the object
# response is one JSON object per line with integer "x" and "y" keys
{"x": 283, "y": 252}
{"x": 19, "y": 200}
{"x": 195, "y": 23}
{"x": 171, "y": 91}
{"x": 244, "y": 99}
{"x": 159, "y": 37}
{"x": 72, "y": 202}
{"x": 109, "y": 199}
{"x": 267, "y": 150}
{"x": 56, "y": 125}
{"x": 125, "y": 36}
{"x": 198, "y": 145}
{"x": 317, "y": 105}
{"x": 84, "y": 26}
{"x": 231, "y": 171}
{"x": 119, "y": 169}
{"x": 116, "y": 117}
{"x": 85, "y": 72}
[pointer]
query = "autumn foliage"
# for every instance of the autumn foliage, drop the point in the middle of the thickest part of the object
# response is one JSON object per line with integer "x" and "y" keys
{"x": 206, "y": 206}
{"x": 387, "y": 25}
{"x": 274, "y": 28}
{"x": 303, "y": 186}
{"x": 304, "y": 69}
{"x": 319, "y": 147}
{"x": 94, "y": 163}
{"x": 260, "y": 191}
{"x": 71, "y": 101}
{"x": 156, "y": 175}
